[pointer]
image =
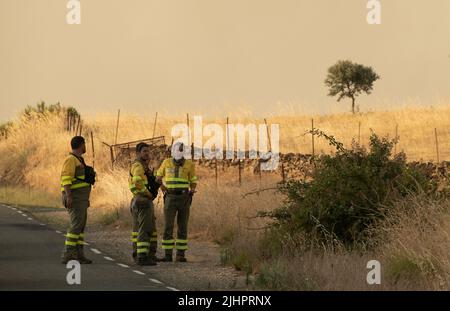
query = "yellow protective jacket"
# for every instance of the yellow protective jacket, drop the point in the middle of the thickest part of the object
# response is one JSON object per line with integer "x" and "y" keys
{"x": 137, "y": 181}
{"x": 180, "y": 177}
{"x": 71, "y": 170}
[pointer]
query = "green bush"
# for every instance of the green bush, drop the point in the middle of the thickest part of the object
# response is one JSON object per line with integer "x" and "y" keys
{"x": 243, "y": 262}
{"x": 272, "y": 276}
{"x": 42, "y": 109}
{"x": 413, "y": 269}
{"x": 403, "y": 267}
{"x": 349, "y": 191}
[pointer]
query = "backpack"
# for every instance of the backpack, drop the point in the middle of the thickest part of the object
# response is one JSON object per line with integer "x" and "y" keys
{"x": 152, "y": 185}
{"x": 89, "y": 172}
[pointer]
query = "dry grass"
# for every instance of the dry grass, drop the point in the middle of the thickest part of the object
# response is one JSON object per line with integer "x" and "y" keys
{"x": 412, "y": 247}
{"x": 415, "y": 242}
{"x": 414, "y": 254}
{"x": 415, "y": 129}
{"x": 34, "y": 151}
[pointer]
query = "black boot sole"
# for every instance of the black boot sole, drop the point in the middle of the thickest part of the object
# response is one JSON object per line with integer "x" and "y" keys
{"x": 146, "y": 263}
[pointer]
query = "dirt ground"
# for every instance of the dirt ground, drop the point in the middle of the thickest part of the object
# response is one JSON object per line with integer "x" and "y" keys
{"x": 203, "y": 271}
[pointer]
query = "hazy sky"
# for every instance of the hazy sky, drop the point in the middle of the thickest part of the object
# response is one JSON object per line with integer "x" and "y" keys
{"x": 210, "y": 56}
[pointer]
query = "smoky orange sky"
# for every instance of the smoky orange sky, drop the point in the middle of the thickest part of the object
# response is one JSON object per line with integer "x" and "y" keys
{"x": 213, "y": 56}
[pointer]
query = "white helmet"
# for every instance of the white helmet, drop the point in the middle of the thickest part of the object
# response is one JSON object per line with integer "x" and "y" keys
{"x": 178, "y": 150}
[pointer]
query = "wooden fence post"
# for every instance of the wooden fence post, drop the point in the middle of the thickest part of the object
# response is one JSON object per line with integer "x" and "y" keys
{"x": 189, "y": 130}
{"x": 396, "y": 139}
{"x": 154, "y": 124}
{"x": 117, "y": 127}
{"x": 268, "y": 135}
{"x": 437, "y": 145}
{"x": 228, "y": 149}
{"x": 93, "y": 150}
{"x": 260, "y": 174}
{"x": 312, "y": 136}
{"x": 68, "y": 121}
{"x": 112, "y": 157}
{"x": 215, "y": 169}
{"x": 77, "y": 125}
{"x": 240, "y": 173}
{"x": 74, "y": 122}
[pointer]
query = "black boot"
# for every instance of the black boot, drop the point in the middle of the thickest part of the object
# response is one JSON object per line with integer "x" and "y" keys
{"x": 69, "y": 253}
{"x": 144, "y": 260}
{"x": 134, "y": 253}
{"x": 180, "y": 257}
{"x": 81, "y": 258}
{"x": 153, "y": 257}
{"x": 152, "y": 251}
{"x": 167, "y": 257}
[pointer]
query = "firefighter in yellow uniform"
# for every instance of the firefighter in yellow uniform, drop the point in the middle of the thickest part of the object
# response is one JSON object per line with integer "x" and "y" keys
{"x": 144, "y": 237}
{"x": 179, "y": 181}
{"x": 76, "y": 181}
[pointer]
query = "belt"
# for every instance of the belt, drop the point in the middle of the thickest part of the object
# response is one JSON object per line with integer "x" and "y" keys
{"x": 178, "y": 191}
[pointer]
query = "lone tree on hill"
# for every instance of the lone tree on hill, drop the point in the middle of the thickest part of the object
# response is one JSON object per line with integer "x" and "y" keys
{"x": 348, "y": 79}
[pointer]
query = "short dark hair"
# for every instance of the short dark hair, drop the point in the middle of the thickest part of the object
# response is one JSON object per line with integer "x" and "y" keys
{"x": 141, "y": 146}
{"x": 76, "y": 142}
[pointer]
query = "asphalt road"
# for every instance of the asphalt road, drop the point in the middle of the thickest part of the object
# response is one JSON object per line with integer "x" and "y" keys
{"x": 30, "y": 254}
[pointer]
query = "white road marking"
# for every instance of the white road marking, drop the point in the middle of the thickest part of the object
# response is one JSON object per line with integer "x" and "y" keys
{"x": 138, "y": 272}
{"x": 98, "y": 252}
{"x": 156, "y": 281}
{"x": 123, "y": 265}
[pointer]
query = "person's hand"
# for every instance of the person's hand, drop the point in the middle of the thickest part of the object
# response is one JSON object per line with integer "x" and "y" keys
{"x": 69, "y": 201}
{"x": 191, "y": 192}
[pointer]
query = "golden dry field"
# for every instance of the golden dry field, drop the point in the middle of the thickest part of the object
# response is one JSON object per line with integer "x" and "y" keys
{"x": 32, "y": 155}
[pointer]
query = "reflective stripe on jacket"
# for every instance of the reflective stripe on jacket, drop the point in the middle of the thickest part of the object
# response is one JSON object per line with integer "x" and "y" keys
{"x": 137, "y": 181}
{"x": 72, "y": 168}
{"x": 177, "y": 177}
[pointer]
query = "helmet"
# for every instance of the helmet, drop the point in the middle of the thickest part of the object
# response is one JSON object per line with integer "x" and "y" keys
{"x": 178, "y": 150}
